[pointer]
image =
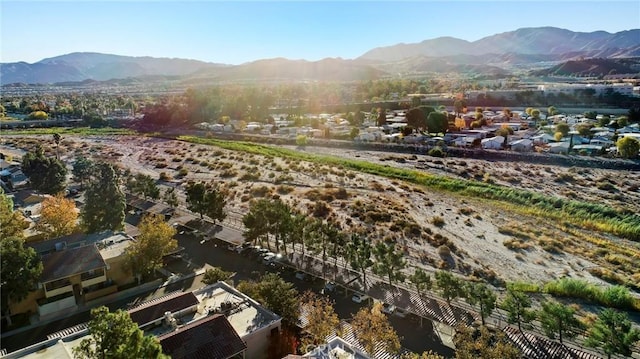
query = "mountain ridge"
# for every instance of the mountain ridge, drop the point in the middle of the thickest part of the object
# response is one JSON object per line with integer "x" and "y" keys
{"x": 494, "y": 54}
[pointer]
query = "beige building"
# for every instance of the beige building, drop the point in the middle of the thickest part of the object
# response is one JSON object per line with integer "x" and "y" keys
{"x": 77, "y": 269}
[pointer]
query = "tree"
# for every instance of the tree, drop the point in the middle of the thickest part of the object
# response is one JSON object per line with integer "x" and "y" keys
{"x": 437, "y": 122}
{"x": 206, "y": 200}
{"x": 421, "y": 281}
{"x": 58, "y": 217}
{"x": 12, "y": 223}
{"x": 82, "y": 169}
{"x": 628, "y": 147}
{"x": 321, "y": 318}
{"x": 116, "y": 336}
{"x": 552, "y": 111}
{"x": 57, "y": 138}
{"x": 105, "y": 204}
{"x": 563, "y": 128}
{"x": 47, "y": 175}
{"x": 274, "y": 293}
{"x": 474, "y": 343}
{"x": 214, "y": 275}
{"x": 558, "y": 319}
{"x": 389, "y": 262}
{"x": 359, "y": 254}
{"x": 372, "y": 329}
{"x": 416, "y": 118}
{"x": 154, "y": 242}
{"x": 613, "y": 333}
{"x": 301, "y": 141}
{"x": 146, "y": 186}
{"x": 20, "y": 270}
{"x": 480, "y": 294}
{"x": 450, "y": 286}
{"x": 382, "y": 117}
{"x": 256, "y": 220}
{"x": 170, "y": 198}
{"x": 517, "y": 305}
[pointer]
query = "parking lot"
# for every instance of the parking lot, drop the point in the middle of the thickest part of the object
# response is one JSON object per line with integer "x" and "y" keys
{"x": 248, "y": 264}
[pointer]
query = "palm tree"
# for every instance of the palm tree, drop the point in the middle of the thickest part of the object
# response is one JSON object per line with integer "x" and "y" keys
{"x": 57, "y": 138}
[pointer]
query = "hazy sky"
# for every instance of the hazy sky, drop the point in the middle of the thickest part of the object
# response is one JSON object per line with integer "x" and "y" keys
{"x": 242, "y": 31}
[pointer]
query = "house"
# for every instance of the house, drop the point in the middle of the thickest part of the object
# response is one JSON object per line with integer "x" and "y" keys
{"x": 523, "y": 145}
{"x": 77, "y": 269}
{"x": 542, "y": 139}
{"x": 465, "y": 141}
{"x": 559, "y": 147}
{"x": 216, "y": 321}
{"x": 588, "y": 149}
{"x": 493, "y": 143}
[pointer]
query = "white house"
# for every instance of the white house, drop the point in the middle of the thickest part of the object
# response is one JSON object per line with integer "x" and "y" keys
{"x": 542, "y": 139}
{"x": 559, "y": 147}
{"x": 523, "y": 145}
{"x": 493, "y": 143}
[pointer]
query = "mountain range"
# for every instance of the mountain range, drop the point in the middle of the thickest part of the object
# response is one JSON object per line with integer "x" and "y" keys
{"x": 494, "y": 55}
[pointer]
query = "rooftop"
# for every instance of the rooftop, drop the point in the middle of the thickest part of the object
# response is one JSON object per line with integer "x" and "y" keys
{"x": 209, "y": 338}
{"x": 65, "y": 263}
{"x": 153, "y": 310}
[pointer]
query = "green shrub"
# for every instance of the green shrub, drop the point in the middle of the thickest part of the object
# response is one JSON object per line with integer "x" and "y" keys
{"x": 437, "y": 221}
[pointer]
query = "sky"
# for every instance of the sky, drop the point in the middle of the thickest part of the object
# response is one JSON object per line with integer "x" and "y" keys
{"x": 242, "y": 31}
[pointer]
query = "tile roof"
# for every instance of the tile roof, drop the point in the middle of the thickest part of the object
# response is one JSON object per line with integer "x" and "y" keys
{"x": 535, "y": 347}
{"x": 210, "y": 338}
{"x": 65, "y": 263}
{"x": 151, "y": 311}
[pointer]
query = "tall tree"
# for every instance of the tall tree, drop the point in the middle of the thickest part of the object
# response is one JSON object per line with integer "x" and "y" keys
{"x": 389, "y": 262}
{"x": 170, "y": 197}
{"x": 82, "y": 169}
{"x": 557, "y": 318}
{"x": 154, "y": 242}
{"x": 46, "y": 174}
{"x": 256, "y": 221}
{"x": 58, "y": 217}
{"x": 613, "y": 333}
{"x": 12, "y": 223}
{"x": 56, "y": 139}
{"x": 480, "y": 294}
{"x": 116, "y": 336}
{"x": 420, "y": 280}
{"x": 517, "y": 304}
{"x": 206, "y": 200}
{"x": 321, "y": 318}
{"x": 276, "y": 294}
{"x": 20, "y": 270}
{"x": 359, "y": 254}
{"x": 105, "y": 203}
{"x": 450, "y": 286}
{"x": 372, "y": 328}
{"x": 146, "y": 186}
{"x": 416, "y": 118}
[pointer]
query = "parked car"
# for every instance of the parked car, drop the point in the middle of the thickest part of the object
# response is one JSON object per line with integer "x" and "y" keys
{"x": 301, "y": 275}
{"x": 400, "y": 313}
{"x": 330, "y": 287}
{"x": 268, "y": 257}
{"x": 388, "y": 308}
{"x": 359, "y": 297}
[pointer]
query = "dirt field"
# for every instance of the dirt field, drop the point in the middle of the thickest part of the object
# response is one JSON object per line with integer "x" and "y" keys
{"x": 435, "y": 230}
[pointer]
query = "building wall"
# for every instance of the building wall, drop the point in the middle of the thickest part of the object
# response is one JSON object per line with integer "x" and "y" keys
{"x": 258, "y": 341}
{"x": 29, "y": 304}
{"x": 117, "y": 271}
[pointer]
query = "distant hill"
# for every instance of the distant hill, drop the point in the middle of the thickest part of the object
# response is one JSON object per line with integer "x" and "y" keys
{"x": 81, "y": 66}
{"x": 531, "y": 41}
{"x": 592, "y": 67}
{"x": 280, "y": 69}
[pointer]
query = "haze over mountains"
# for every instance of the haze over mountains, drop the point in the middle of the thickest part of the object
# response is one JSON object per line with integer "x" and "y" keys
{"x": 494, "y": 55}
